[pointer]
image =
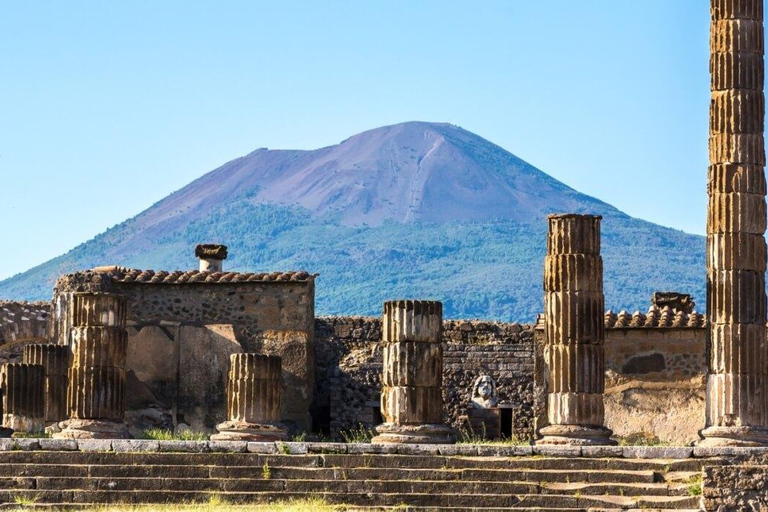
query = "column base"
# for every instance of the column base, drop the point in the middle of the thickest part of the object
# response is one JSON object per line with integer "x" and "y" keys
{"x": 733, "y": 436}
{"x": 575, "y": 435}
{"x": 242, "y": 431}
{"x": 92, "y": 429}
{"x": 21, "y": 423}
{"x": 414, "y": 434}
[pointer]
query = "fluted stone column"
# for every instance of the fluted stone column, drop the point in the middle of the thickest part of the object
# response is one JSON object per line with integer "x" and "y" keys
{"x": 254, "y": 394}
{"x": 412, "y": 379}
{"x": 96, "y": 373}
{"x": 23, "y": 397}
{"x": 574, "y": 306}
{"x": 737, "y": 385}
{"x": 54, "y": 360}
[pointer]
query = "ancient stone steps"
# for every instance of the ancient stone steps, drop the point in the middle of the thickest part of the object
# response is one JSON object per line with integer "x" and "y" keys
{"x": 432, "y": 482}
{"x": 360, "y": 499}
{"x": 259, "y": 484}
{"x": 350, "y": 461}
{"x": 321, "y": 473}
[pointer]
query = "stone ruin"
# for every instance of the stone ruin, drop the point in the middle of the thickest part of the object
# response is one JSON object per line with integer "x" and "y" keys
{"x": 182, "y": 349}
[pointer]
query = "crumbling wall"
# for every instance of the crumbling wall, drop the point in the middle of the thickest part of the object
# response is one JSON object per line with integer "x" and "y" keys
{"x": 735, "y": 487}
{"x": 193, "y": 327}
{"x": 655, "y": 383}
{"x": 350, "y": 363}
{"x": 21, "y": 321}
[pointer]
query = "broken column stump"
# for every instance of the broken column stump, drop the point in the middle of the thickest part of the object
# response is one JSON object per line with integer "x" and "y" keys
{"x": 54, "y": 360}
{"x": 23, "y": 397}
{"x": 96, "y": 373}
{"x": 254, "y": 393}
{"x": 737, "y": 381}
{"x": 575, "y": 332}
{"x": 412, "y": 379}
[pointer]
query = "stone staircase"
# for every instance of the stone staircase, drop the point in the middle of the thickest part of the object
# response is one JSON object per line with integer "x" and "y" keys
{"x": 418, "y": 482}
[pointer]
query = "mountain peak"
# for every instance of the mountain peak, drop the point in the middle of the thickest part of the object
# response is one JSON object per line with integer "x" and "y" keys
{"x": 409, "y": 172}
{"x": 449, "y": 216}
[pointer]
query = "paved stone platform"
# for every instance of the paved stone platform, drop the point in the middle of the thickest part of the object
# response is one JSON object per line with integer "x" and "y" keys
{"x": 489, "y": 450}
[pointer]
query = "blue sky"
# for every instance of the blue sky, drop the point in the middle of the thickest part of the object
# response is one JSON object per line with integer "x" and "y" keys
{"x": 106, "y": 107}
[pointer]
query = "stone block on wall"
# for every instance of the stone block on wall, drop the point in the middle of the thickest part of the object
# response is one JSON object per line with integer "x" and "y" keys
{"x": 296, "y": 348}
{"x": 152, "y": 377}
{"x": 204, "y": 362}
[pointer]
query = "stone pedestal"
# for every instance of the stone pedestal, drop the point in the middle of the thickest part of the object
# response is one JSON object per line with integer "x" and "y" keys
{"x": 96, "y": 373}
{"x": 412, "y": 380}
{"x": 737, "y": 384}
{"x": 254, "y": 393}
{"x": 54, "y": 360}
{"x": 575, "y": 332}
{"x": 23, "y": 397}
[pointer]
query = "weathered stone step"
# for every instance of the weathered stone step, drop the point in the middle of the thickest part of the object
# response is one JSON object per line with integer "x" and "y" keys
{"x": 309, "y": 473}
{"x": 392, "y": 486}
{"x": 80, "y": 506}
{"x": 331, "y": 460}
{"x": 364, "y": 499}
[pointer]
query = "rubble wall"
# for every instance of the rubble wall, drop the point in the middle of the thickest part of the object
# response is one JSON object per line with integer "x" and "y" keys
{"x": 350, "y": 364}
{"x": 21, "y": 321}
{"x": 655, "y": 386}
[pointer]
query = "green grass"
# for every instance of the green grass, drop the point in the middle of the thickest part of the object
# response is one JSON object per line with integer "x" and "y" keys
{"x": 31, "y": 435}
{"x": 467, "y": 436}
{"x": 266, "y": 472}
{"x": 24, "y": 500}
{"x": 694, "y": 485}
{"x": 641, "y": 439}
{"x": 361, "y": 434}
{"x": 168, "y": 435}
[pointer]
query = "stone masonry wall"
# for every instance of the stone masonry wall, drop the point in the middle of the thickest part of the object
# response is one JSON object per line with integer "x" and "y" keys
{"x": 350, "y": 363}
{"x": 180, "y": 337}
{"x": 24, "y": 321}
{"x": 735, "y": 488}
{"x": 655, "y": 385}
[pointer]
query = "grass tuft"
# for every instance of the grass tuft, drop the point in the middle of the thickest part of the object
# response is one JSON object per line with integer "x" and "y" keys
{"x": 159, "y": 434}
{"x": 694, "y": 485}
{"x": 468, "y": 436}
{"x": 361, "y": 434}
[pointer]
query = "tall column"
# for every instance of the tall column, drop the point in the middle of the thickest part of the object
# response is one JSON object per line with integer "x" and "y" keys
{"x": 737, "y": 385}
{"x": 98, "y": 346}
{"x": 23, "y": 397}
{"x": 254, "y": 392}
{"x": 54, "y": 360}
{"x": 412, "y": 379}
{"x": 573, "y": 309}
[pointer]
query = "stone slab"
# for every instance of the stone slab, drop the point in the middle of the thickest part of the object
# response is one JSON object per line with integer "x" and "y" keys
{"x": 602, "y": 451}
{"x": 292, "y": 448}
{"x": 58, "y": 445}
{"x": 368, "y": 448}
{"x": 94, "y": 445}
{"x": 504, "y": 451}
{"x": 465, "y": 450}
{"x": 557, "y": 450}
{"x": 135, "y": 445}
{"x": 326, "y": 448}
{"x": 418, "y": 449}
{"x": 26, "y": 444}
{"x": 265, "y": 448}
{"x": 728, "y": 451}
{"x": 183, "y": 446}
{"x": 228, "y": 446}
{"x": 657, "y": 452}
